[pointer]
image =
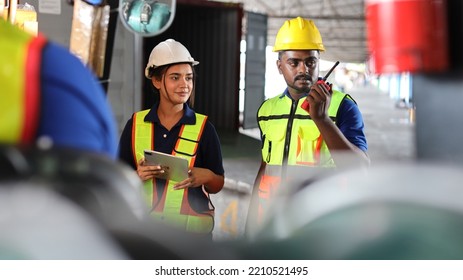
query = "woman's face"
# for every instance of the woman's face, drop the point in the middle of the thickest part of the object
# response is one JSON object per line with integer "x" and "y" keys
{"x": 176, "y": 84}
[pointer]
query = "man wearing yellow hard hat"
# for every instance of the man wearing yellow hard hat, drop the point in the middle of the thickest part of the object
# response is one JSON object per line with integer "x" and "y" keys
{"x": 306, "y": 126}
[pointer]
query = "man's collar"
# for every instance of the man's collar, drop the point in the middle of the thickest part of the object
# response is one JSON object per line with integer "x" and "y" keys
{"x": 286, "y": 93}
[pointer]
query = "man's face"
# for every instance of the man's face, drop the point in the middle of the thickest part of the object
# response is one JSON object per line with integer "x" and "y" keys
{"x": 300, "y": 69}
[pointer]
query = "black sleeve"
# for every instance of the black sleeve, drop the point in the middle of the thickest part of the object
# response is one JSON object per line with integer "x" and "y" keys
{"x": 125, "y": 145}
{"x": 210, "y": 151}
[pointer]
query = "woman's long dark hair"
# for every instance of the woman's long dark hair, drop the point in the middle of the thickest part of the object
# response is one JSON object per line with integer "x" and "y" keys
{"x": 158, "y": 72}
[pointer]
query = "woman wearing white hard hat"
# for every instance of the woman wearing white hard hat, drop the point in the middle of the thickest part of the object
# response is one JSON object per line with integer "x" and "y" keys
{"x": 171, "y": 126}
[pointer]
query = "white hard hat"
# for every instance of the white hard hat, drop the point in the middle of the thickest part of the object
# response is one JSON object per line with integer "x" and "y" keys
{"x": 168, "y": 52}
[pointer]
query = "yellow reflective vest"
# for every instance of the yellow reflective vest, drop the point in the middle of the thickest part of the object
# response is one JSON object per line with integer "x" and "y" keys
{"x": 291, "y": 140}
{"x": 20, "y": 62}
{"x": 173, "y": 206}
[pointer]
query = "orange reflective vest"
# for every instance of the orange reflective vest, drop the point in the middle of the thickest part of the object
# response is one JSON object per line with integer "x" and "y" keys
{"x": 20, "y": 62}
{"x": 173, "y": 206}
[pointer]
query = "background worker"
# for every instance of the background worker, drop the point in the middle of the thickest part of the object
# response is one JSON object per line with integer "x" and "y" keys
{"x": 48, "y": 94}
{"x": 297, "y": 137}
{"x": 171, "y": 126}
{"x": 57, "y": 143}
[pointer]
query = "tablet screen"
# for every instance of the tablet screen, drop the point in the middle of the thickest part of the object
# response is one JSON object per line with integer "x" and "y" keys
{"x": 175, "y": 168}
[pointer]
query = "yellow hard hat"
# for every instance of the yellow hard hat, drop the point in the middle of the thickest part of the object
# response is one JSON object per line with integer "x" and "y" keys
{"x": 298, "y": 34}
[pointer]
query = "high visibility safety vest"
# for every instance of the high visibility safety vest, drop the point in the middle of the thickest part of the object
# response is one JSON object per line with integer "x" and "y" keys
{"x": 291, "y": 140}
{"x": 173, "y": 206}
{"x": 20, "y": 62}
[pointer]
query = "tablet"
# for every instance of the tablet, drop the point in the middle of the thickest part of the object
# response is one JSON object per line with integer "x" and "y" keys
{"x": 175, "y": 168}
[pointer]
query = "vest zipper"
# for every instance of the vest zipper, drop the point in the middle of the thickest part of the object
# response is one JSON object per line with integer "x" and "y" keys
{"x": 269, "y": 151}
{"x": 289, "y": 129}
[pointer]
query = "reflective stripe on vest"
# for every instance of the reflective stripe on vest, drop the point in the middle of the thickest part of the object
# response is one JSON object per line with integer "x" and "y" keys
{"x": 306, "y": 146}
{"x": 173, "y": 206}
{"x": 20, "y": 82}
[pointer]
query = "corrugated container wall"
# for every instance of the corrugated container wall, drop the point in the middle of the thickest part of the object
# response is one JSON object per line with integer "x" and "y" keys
{"x": 212, "y": 33}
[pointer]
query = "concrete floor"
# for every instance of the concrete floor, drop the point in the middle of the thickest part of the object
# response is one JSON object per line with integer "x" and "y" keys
{"x": 390, "y": 135}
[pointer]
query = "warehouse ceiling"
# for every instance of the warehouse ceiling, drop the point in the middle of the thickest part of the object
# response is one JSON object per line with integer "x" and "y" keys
{"x": 341, "y": 23}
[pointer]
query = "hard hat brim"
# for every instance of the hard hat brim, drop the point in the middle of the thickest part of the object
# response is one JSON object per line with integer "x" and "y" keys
{"x": 147, "y": 69}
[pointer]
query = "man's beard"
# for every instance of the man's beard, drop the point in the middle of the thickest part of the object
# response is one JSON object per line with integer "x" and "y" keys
{"x": 306, "y": 87}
